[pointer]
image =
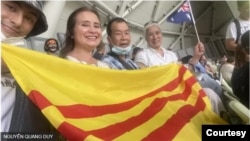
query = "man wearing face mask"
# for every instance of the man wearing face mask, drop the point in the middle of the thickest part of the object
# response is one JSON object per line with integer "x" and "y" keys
{"x": 119, "y": 40}
{"x": 51, "y": 46}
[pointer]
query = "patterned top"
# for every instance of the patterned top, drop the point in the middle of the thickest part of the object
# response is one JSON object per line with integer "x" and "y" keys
{"x": 114, "y": 63}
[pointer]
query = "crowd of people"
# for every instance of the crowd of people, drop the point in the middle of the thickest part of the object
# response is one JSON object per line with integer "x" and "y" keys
{"x": 84, "y": 38}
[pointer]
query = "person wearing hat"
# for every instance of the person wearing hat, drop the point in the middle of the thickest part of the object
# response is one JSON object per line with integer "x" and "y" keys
{"x": 20, "y": 20}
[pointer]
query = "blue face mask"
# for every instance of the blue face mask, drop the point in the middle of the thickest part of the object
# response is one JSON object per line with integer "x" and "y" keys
{"x": 120, "y": 50}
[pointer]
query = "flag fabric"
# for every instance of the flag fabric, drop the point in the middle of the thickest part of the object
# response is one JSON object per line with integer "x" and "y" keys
{"x": 84, "y": 102}
{"x": 183, "y": 14}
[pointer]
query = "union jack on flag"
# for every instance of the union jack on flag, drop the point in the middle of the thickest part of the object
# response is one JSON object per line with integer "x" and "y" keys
{"x": 181, "y": 15}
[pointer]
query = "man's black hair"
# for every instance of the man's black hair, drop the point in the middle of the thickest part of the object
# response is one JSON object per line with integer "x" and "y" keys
{"x": 116, "y": 19}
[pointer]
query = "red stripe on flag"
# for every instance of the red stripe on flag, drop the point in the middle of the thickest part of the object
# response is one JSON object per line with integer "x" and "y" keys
{"x": 40, "y": 100}
{"x": 83, "y": 111}
{"x": 79, "y": 110}
{"x": 72, "y": 133}
{"x": 111, "y": 132}
{"x": 170, "y": 129}
{"x": 202, "y": 93}
{"x": 121, "y": 128}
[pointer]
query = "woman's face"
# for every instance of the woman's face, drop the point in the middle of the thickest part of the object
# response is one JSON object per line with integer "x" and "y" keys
{"x": 154, "y": 36}
{"x": 87, "y": 30}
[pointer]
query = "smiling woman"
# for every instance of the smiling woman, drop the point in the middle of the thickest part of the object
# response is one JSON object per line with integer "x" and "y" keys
{"x": 83, "y": 35}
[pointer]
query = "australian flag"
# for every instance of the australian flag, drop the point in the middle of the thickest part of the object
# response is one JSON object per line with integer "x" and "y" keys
{"x": 181, "y": 15}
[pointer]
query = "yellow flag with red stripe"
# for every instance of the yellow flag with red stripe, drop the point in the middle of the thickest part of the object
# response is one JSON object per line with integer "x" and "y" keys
{"x": 84, "y": 102}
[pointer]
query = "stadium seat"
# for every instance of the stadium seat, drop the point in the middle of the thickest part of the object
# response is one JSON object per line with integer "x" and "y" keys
{"x": 235, "y": 108}
{"x": 60, "y": 38}
{"x": 227, "y": 90}
{"x": 242, "y": 111}
{"x": 36, "y": 43}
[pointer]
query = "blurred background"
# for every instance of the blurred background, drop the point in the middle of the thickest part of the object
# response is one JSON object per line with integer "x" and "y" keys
{"x": 211, "y": 20}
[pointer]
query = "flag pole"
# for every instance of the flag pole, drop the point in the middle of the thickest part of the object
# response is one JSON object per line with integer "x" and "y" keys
{"x": 191, "y": 12}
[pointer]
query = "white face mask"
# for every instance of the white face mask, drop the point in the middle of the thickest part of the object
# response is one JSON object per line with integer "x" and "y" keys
{"x": 121, "y": 50}
{"x": 52, "y": 48}
{"x": 11, "y": 40}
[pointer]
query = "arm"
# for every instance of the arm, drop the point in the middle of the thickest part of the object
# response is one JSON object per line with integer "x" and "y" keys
{"x": 231, "y": 36}
{"x": 140, "y": 59}
{"x": 199, "y": 50}
{"x": 230, "y": 44}
{"x": 4, "y": 67}
{"x": 141, "y": 65}
{"x": 194, "y": 61}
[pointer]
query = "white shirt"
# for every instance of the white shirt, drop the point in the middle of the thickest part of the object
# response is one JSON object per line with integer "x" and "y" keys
{"x": 8, "y": 91}
{"x": 8, "y": 88}
{"x": 232, "y": 31}
{"x": 150, "y": 57}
